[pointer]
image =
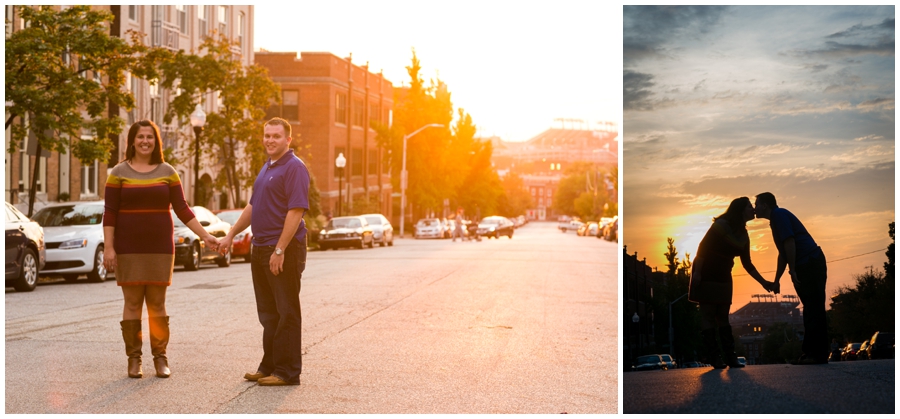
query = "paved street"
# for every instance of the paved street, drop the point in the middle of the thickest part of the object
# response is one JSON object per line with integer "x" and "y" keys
{"x": 526, "y": 325}
{"x": 841, "y": 387}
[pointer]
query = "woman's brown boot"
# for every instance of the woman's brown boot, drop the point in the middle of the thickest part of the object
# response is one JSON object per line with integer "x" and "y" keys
{"x": 131, "y": 334}
{"x": 159, "y": 339}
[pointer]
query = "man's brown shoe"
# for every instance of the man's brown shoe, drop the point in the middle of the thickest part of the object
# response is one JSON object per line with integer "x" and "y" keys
{"x": 273, "y": 381}
{"x": 254, "y": 376}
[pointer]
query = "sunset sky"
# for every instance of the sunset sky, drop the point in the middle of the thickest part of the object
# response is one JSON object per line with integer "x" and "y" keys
{"x": 513, "y": 66}
{"x": 723, "y": 102}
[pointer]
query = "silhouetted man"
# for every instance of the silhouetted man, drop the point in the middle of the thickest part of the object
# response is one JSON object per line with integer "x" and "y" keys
{"x": 806, "y": 265}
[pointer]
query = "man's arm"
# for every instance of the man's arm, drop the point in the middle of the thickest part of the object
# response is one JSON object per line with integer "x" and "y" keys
{"x": 240, "y": 225}
{"x": 291, "y": 223}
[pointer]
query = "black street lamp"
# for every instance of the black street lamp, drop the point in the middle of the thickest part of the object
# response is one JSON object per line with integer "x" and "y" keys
{"x": 198, "y": 120}
{"x": 340, "y": 162}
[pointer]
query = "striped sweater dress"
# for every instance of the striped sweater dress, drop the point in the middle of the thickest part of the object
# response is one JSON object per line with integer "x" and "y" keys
{"x": 137, "y": 206}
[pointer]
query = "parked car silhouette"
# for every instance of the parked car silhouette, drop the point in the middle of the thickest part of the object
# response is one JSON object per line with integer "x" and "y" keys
{"x": 649, "y": 363}
{"x": 25, "y": 250}
{"x": 881, "y": 346}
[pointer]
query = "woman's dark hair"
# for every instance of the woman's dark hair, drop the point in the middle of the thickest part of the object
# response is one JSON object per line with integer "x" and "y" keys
{"x": 735, "y": 213}
{"x": 157, "y": 156}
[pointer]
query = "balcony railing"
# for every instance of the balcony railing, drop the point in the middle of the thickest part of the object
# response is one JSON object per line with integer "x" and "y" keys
{"x": 165, "y": 34}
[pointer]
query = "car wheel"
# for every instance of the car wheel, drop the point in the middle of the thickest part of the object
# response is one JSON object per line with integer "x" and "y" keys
{"x": 98, "y": 274}
{"x": 391, "y": 243}
{"x": 496, "y": 234}
{"x": 194, "y": 262}
{"x": 70, "y": 278}
{"x": 360, "y": 245}
{"x": 225, "y": 260}
{"x": 28, "y": 276}
{"x": 510, "y": 234}
{"x": 371, "y": 243}
{"x": 382, "y": 243}
{"x": 323, "y": 247}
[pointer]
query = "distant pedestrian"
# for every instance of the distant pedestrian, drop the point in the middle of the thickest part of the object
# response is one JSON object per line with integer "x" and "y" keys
{"x": 458, "y": 225}
{"x": 139, "y": 240}
{"x": 278, "y": 257}
{"x": 805, "y": 261}
{"x": 711, "y": 284}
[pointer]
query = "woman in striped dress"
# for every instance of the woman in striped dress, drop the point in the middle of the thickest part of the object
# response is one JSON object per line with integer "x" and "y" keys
{"x": 139, "y": 236}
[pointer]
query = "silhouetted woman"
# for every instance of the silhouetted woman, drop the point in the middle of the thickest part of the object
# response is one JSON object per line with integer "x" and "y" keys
{"x": 711, "y": 283}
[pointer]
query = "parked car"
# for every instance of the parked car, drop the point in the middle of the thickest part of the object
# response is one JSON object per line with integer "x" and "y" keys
{"x": 73, "y": 232}
{"x": 863, "y": 352}
{"x": 190, "y": 251}
{"x": 240, "y": 246}
{"x": 429, "y": 228}
{"x": 692, "y": 364}
{"x": 849, "y": 353}
{"x": 589, "y": 228}
{"x": 570, "y": 224}
{"x": 742, "y": 360}
{"x": 881, "y": 346}
{"x": 346, "y": 232}
{"x": 649, "y": 363}
{"x": 610, "y": 231}
{"x": 382, "y": 229}
{"x": 495, "y": 226}
{"x": 670, "y": 363}
{"x": 25, "y": 250}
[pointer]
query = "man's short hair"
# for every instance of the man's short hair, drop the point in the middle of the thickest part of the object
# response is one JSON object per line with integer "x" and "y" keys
{"x": 768, "y": 199}
{"x": 280, "y": 121}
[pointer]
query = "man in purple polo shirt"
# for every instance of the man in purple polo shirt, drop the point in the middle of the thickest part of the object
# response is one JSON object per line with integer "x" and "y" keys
{"x": 278, "y": 257}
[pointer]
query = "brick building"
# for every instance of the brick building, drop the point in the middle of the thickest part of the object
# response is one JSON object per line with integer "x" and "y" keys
{"x": 639, "y": 281}
{"x": 752, "y": 321}
{"x": 330, "y": 103}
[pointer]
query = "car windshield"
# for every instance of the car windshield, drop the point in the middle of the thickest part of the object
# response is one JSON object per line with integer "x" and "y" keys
{"x": 374, "y": 220}
{"x": 648, "y": 360}
{"x": 343, "y": 223}
{"x": 230, "y": 217}
{"x": 70, "y": 215}
{"x": 428, "y": 222}
{"x": 667, "y": 358}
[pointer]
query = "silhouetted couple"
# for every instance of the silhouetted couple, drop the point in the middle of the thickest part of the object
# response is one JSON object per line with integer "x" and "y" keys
{"x": 711, "y": 283}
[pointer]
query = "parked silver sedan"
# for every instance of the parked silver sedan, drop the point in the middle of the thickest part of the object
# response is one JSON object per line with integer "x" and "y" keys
{"x": 382, "y": 230}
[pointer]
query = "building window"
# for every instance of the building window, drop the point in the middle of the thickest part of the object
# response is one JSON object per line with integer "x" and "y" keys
{"x": 202, "y": 19}
{"x": 375, "y": 113}
{"x": 241, "y": 37}
{"x": 356, "y": 162}
{"x": 358, "y": 112}
{"x": 373, "y": 162}
{"x": 133, "y": 12}
{"x": 155, "y": 103}
{"x": 9, "y": 20}
{"x": 89, "y": 178}
{"x": 290, "y": 100}
{"x": 340, "y": 108}
{"x": 182, "y": 18}
{"x": 223, "y": 20}
{"x": 337, "y": 152}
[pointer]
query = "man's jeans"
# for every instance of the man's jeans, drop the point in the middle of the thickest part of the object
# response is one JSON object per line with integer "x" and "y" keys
{"x": 278, "y": 306}
{"x": 811, "y": 290}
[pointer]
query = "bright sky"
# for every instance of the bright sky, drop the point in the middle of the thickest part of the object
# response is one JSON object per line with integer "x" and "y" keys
{"x": 514, "y": 67}
{"x": 723, "y": 102}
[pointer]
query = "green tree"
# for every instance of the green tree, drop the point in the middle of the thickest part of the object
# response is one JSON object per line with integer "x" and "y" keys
{"x": 781, "y": 344}
{"x": 685, "y": 315}
{"x": 63, "y": 70}
{"x": 233, "y": 133}
{"x": 515, "y": 199}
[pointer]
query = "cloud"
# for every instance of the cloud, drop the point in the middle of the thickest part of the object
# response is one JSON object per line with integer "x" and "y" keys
{"x": 877, "y": 104}
{"x": 865, "y": 153}
{"x": 886, "y": 24}
{"x": 636, "y": 93}
{"x": 815, "y": 67}
{"x": 648, "y": 29}
{"x": 872, "y": 137}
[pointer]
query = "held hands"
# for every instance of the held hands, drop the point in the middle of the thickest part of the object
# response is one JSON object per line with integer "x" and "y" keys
{"x": 211, "y": 242}
{"x": 224, "y": 244}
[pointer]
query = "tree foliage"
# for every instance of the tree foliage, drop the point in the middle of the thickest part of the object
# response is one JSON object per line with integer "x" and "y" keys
{"x": 583, "y": 191}
{"x": 233, "y": 133}
{"x": 63, "y": 70}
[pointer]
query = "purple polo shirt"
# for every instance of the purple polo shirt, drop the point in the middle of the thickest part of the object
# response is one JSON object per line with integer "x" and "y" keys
{"x": 279, "y": 187}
